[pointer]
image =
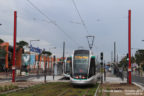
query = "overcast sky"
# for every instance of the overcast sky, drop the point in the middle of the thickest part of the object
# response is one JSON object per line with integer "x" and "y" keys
{"x": 107, "y": 20}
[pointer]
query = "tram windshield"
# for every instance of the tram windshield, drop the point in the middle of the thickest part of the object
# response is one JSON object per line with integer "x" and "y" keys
{"x": 81, "y": 63}
{"x": 68, "y": 65}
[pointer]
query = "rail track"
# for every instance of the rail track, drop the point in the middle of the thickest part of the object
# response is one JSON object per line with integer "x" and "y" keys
{"x": 56, "y": 89}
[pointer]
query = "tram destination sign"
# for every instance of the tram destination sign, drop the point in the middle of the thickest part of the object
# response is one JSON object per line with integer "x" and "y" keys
{"x": 81, "y": 57}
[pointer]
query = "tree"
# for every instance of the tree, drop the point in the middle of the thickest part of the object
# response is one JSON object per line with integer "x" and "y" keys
{"x": 1, "y": 41}
{"x": 124, "y": 61}
{"x": 21, "y": 44}
{"x": 47, "y": 53}
{"x": 2, "y": 51}
{"x": 139, "y": 55}
{"x": 2, "y": 55}
{"x": 133, "y": 60}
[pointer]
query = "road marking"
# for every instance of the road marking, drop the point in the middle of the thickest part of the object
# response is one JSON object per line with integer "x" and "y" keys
{"x": 137, "y": 84}
{"x": 140, "y": 83}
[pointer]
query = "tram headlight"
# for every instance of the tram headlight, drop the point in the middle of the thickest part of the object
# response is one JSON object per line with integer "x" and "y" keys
{"x": 76, "y": 77}
{"x": 83, "y": 77}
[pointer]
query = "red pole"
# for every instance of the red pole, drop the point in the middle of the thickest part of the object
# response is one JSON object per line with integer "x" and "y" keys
{"x": 14, "y": 46}
{"x": 129, "y": 44}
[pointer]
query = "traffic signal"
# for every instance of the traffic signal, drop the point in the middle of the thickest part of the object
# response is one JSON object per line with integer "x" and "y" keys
{"x": 127, "y": 55}
{"x": 101, "y": 55}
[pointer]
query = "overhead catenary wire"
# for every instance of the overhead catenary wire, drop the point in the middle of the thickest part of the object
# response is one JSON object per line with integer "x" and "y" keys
{"x": 4, "y": 31}
{"x": 84, "y": 25}
{"x": 82, "y": 21}
{"x": 49, "y": 20}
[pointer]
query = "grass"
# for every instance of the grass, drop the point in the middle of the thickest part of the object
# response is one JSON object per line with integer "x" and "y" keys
{"x": 100, "y": 91}
{"x": 55, "y": 89}
{"x": 7, "y": 87}
{"x": 108, "y": 93}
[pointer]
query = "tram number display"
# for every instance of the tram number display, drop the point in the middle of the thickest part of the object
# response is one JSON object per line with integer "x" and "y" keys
{"x": 81, "y": 57}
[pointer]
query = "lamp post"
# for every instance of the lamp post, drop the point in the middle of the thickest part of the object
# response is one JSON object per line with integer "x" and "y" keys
{"x": 29, "y": 53}
{"x": 45, "y": 71}
{"x": 33, "y": 40}
{"x": 52, "y": 48}
{"x": 51, "y": 62}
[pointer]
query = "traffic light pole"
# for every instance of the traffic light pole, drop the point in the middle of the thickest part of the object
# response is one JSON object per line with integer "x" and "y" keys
{"x": 129, "y": 44}
{"x": 101, "y": 55}
{"x": 14, "y": 46}
{"x": 63, "y": 56}
{"x": 54, "y": 67}
{"x": 104, "y": 72}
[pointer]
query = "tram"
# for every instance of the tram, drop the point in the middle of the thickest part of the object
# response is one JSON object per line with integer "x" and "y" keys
{"x": 67, "y": 67}
{"x": 83, "y": 68}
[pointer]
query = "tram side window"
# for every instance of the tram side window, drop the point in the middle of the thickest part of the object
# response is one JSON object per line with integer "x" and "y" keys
{"x": 92, "y": 67}
{"x": 71, "y": 67}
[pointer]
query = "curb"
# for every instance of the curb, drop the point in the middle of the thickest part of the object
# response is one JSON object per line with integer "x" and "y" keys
{"x": 97, "y": 90}
{"x": 141, "y": 87}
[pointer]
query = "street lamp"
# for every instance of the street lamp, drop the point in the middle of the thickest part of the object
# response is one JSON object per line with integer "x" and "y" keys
{"x": 52, "y": 48}
{"x": 29, "y": 53}
{"x": 33, "y": 40}
{"x": 54, "y": 61}
{"x": 45, "y": 71}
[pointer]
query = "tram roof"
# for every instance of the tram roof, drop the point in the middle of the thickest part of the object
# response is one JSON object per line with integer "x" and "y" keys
{"x": 84, "y": 51}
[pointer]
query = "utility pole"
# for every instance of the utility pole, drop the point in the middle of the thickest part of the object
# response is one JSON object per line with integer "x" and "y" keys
{"x": 114, "y": 52}
{"x": 117, "y": 58}
{"x": 14, "y": 46}
{"x": 111, "y": 57}
{"x": 63, "y": 56}
{"x": 129, "y": 44}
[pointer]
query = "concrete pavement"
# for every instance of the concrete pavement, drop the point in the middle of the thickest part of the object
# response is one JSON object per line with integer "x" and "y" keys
{"x": 110, "y": 78}
{"x": 136, "y": 78}
{"x": 48, "y": 78}
{"x": 36, "y": 78}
